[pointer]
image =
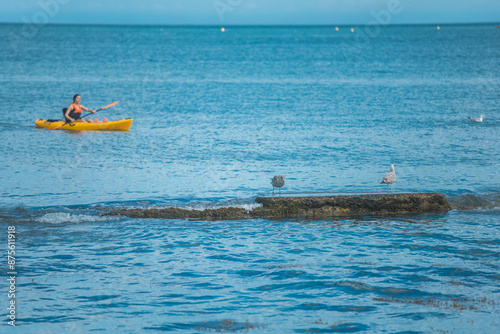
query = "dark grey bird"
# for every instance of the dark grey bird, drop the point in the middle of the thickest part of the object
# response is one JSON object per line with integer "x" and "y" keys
{"x": 389, "y": 178}
{"x": 278, "y": 181}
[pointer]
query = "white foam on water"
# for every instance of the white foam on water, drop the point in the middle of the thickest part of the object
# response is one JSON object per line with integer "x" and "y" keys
{"x": 247, "y": 204}
{"x": 235, "y": 203}
{"x": 63, "y": 217}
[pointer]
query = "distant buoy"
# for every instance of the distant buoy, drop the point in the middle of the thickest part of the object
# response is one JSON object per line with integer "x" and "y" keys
{"x": 439, "y": 28}
{"x": 498, "y": 27}
{"x": 337, "y": 28}
{"x": 222, "y": 29}
{"x": 352, "y": 29}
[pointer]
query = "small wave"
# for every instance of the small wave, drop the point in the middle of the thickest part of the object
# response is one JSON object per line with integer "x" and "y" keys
{"x": 242, "y": 203}
{"x": 62, "y": 217}
{"x": 247, "y": 205}
{"x": 219, "y": 326}
{"x": 488, "y": 202}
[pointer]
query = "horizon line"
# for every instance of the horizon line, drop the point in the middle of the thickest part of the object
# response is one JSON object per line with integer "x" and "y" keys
{"x": 250, "y": 25}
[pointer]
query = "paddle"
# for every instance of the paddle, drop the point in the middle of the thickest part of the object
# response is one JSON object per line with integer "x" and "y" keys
{"x": 67, "y": 122}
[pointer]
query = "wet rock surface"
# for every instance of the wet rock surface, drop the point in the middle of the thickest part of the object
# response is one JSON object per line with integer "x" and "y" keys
{"x": 311, "y": 207}
{"x": 354, "y": 205}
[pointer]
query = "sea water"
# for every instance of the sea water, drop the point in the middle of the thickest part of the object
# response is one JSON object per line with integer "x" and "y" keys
{"x": 216, "y": 116}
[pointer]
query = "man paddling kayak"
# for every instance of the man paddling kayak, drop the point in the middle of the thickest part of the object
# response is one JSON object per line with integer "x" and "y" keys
{"x": 74, "y": 111}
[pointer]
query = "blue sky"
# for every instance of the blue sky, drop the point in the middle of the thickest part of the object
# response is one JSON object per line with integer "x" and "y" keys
{"x": 227, "y": 12}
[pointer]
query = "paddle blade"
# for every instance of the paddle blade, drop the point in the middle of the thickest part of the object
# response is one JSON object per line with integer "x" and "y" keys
{"x": 56, "y": 127}
{"x": 112, "y": 104}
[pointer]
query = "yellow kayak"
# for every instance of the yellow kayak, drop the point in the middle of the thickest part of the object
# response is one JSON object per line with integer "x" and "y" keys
{"x": 121, "y": 125}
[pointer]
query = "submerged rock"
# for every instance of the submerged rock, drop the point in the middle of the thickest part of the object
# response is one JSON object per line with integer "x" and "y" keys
{"x": 316, "y": 207}
{"x": 176, "y": 213}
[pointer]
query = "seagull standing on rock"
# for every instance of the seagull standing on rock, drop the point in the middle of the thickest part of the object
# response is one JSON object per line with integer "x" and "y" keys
{"x": 480, "y": 119}
{"x": 389, "y": 178}
{"x": 278, "y": 181}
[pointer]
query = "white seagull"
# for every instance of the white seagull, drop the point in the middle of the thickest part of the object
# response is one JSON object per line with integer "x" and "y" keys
{"x": 278, "y": 181}
{"x": 389, "y": 178}
{"x": 480, "y": 119}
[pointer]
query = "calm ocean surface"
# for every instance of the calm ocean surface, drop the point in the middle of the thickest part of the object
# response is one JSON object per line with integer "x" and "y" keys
{"x": 216, "y": 115}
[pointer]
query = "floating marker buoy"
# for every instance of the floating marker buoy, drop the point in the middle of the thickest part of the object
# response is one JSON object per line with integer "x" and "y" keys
{"x": 336, "y": 28}
{"x": 439, "y": 28}
{"x": 352, "y": 29}
{"x": 222, "y": 29}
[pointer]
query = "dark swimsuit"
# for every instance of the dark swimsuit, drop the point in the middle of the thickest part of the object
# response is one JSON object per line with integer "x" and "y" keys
{"x": 73, "y": 114}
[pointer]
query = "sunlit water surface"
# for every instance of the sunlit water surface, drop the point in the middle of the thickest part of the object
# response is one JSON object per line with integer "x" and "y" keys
{"x": 216, "y": 115}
